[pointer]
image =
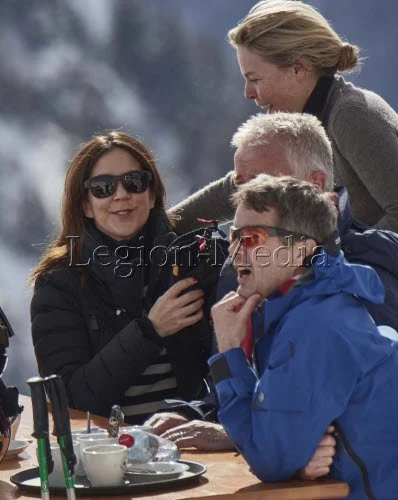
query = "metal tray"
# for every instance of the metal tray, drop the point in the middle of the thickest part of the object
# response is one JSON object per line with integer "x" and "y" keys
{"x": 29, "y": 481}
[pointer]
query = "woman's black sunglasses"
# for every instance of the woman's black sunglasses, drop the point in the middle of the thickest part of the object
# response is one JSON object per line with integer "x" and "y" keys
{"x": 102, "y": 186}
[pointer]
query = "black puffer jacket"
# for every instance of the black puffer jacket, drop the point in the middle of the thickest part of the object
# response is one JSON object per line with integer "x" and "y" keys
{"x": 91, "y": 328}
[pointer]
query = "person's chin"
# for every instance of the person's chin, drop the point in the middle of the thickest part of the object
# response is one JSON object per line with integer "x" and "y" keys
{"x": 244, "y": 291}
{"x": 120, "y": 236}
{"x": 126, "y": 232}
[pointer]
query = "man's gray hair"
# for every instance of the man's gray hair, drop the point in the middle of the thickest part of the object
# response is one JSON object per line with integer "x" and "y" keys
{"x": 300, "y": 206}
{"x": 303, "y": 137}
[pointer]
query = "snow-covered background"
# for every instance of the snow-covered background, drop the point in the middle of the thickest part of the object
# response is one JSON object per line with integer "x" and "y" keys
{"x": 160, "y": 69}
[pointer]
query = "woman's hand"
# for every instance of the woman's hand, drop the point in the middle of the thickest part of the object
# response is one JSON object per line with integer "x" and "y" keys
{"x": 323, "y": 457}
{"x": 172, "y": 311}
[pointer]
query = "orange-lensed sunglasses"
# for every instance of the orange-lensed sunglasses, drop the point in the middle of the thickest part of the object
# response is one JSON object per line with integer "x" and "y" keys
{"x": 257, "y": 235}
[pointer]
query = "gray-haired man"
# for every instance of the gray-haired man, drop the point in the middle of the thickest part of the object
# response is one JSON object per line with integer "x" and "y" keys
{"x": 296, "y": 144}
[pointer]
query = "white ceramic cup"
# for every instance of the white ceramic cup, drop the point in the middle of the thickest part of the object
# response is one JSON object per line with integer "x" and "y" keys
{"x": 87, "y": 440}
{"x": 105, "y": 464}
{"x": 83, "y": 432}
{"x": 56, "y": 478}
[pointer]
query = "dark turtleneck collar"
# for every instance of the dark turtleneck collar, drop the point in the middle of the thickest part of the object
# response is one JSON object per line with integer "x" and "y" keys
{"x": 132, "y": 250}
{"x": 121, "y": 273}
{"x": 93, "y": 237}
{"x": 316, "y": 102}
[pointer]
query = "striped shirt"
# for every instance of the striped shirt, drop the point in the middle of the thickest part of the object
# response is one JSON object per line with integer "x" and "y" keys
{"x": 146, "y": 396}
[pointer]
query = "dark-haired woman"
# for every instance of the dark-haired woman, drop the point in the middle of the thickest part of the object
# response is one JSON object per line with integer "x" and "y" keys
{"x": 102, "y": 314}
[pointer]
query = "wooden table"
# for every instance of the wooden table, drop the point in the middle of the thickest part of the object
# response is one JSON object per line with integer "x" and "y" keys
{"x": 227, "y": 475}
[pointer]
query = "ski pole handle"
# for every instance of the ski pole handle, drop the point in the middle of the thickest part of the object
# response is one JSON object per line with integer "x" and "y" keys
{"x": 41, "y": 432}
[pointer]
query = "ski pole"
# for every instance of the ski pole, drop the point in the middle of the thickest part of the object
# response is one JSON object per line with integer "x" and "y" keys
{"x": 41, "y": 433}
{"x": 57, "y": 395}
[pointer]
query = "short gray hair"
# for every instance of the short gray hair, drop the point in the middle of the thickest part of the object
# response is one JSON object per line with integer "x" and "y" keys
{"x": 300, "y": 206}
{"x": 307, "y": 146}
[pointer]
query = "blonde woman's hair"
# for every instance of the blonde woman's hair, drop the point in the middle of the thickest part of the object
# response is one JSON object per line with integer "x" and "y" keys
{"x": 306, "y": 145}
{"x": 282, "y": 31}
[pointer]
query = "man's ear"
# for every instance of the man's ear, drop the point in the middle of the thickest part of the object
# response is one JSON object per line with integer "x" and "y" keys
{"x": 319, "y": 178}
{"x": 334, "y": 197}
{"x": 303, "y": 250}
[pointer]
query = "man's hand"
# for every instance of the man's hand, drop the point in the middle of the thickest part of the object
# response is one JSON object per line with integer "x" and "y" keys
{"x": 323, "y": 457}
{"x": 230, "y": 317}
{"x": 205, "y": 436}
{"x": 162, "y": 422}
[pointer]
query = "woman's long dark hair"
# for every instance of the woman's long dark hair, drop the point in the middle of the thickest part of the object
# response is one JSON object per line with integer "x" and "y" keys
{"x": 72, "y": 215}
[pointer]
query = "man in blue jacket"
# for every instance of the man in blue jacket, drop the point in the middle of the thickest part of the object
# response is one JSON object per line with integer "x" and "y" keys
{"x": 318, "y": 356}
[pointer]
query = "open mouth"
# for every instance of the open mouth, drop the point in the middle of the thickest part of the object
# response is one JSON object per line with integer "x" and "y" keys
{"x": 243, "y": 272}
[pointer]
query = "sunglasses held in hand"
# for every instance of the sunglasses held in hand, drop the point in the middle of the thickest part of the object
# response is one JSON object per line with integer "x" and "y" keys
{"x": 102, "y": 186}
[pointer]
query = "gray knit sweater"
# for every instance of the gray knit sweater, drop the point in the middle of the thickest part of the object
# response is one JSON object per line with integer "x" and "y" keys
{"x": 363, "y": 130}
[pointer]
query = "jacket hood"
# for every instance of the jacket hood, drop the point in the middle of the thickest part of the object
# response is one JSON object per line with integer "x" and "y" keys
{"x": 331, "y": 275}
{"x": 376, "y": 247}
{"x": 363, "y": 244}
{"x": 327, "y": 276}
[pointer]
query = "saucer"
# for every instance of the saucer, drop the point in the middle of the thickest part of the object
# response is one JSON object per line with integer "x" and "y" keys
{"x": 16, "y": 447}
{"x": 160, "y": 470}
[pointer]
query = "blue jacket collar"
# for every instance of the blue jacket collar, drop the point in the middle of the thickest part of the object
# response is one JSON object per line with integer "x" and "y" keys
{"x": 345, "y": 216}
{"x": 327, "y": 276}
{"x": 345, "y": 220}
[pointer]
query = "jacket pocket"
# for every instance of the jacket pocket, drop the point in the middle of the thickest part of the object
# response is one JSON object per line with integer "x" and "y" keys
{"x": 281, "y": 355}
{"x": 280, "y": 387}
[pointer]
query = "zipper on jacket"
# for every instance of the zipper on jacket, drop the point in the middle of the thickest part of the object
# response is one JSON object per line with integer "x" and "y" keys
{"x": 339, "y": 433}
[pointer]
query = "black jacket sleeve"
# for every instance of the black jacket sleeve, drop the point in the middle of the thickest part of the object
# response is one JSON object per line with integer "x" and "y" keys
{"x": 94, "y": 379}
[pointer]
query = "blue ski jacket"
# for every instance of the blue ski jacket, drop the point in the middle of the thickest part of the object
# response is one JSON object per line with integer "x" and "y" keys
{"x": 319, "y": 359}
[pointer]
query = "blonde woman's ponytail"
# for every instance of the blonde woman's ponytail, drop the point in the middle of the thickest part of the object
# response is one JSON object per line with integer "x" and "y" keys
{"x": 348, "y": 57}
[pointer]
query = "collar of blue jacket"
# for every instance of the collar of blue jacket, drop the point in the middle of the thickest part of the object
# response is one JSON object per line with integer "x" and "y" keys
{"x": 328, "y": 276}
{"x": 342, "y": 276}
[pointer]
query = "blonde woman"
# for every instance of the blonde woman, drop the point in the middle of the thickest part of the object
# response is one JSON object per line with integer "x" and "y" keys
{"x": 291, "y": 59}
